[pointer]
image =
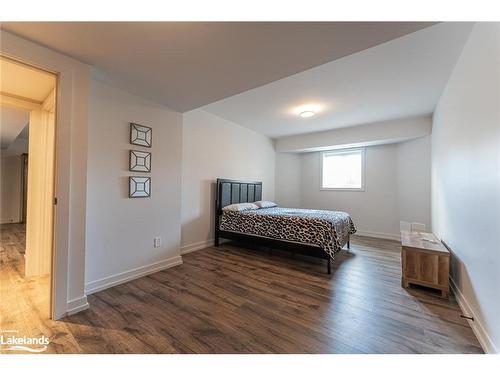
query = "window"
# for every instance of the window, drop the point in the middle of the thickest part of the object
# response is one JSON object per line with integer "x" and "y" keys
{"x": 343, "y": 170}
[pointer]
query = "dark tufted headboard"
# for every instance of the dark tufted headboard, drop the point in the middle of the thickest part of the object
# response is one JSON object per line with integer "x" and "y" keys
{"x": 232, "y": 191}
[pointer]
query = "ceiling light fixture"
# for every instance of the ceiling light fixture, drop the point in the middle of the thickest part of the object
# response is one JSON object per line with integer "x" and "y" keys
{"x": 307, "y": 110}
{"x": 306, "y": 114}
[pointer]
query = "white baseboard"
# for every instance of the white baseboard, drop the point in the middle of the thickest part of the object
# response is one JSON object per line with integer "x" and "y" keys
{"x": 476, "y": 325}
{"x": 196, "y": 246}
{"x": 76, "y": 305}
{"x": 387, "y": 236}
{"x": 122, "y": 277}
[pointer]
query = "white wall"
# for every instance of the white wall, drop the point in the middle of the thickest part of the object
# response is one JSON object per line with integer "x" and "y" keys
{"x": 414, "y": 181}
{"x": 10, "y": 189}
{"x": 288, "y": 180}
{"x": 372, "y": 210}
{"x": 120, "y": 230}
{"x": 397, "y": 187}
{"x": 466, "y": 178}
{"x": 10, "y": 175}
{"x": 216, "y": 148}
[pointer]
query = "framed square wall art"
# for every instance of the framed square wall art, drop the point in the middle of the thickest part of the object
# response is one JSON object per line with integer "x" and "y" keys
{"x": 139, "y": 187}
{"x": 140, "y": 161}
{"x": 141, "y": 135}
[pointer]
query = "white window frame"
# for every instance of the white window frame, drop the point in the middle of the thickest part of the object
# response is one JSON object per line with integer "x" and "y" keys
{"x": 339, "y": 152}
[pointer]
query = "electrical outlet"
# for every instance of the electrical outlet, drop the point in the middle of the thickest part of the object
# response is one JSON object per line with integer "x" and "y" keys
{"x": 157, "y": 241}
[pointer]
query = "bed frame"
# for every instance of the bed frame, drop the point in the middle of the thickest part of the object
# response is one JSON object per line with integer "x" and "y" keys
{"x": 233, "y": 191}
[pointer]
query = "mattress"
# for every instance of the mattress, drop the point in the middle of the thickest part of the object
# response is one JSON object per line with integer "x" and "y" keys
{"x": 330, "y": 230}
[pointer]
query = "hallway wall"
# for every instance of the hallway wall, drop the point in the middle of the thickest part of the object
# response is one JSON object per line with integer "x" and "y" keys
{"x": 10, "y": 189}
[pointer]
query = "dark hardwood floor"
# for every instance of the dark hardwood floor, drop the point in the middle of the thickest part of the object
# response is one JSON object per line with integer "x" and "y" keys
{"x": 235, "y": 300}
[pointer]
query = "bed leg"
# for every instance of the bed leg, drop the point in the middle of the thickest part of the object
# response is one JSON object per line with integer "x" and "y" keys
{"x": 216, "y": 241}
{"x": 329, "y": 265}
{"x": 349, "y": 244}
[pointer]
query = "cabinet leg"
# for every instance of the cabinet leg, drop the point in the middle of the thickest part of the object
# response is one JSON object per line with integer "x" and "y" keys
{"x": 444, "y": 294}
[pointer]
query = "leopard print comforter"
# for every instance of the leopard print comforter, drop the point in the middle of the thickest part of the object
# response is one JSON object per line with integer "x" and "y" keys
{"x": 329, "y": 230}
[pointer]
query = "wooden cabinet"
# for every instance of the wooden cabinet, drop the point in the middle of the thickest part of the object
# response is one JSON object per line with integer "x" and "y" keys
{"x": 424, "y": 261}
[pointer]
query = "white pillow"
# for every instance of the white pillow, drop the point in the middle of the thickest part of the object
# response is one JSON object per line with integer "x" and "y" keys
{"x": 265, "y": 204}
{"x": 240, "y": 207}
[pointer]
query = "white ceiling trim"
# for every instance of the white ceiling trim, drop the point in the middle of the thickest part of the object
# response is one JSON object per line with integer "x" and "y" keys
{"x": 356, "y": 136}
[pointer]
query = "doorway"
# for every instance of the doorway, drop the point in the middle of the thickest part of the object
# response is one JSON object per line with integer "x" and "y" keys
{"x": 27, "y": 131}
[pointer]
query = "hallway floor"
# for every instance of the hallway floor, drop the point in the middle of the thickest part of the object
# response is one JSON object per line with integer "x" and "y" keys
{"x": 24, "y": 302}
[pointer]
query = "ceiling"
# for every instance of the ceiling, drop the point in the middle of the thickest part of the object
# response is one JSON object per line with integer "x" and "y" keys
{"x": 188, "y": 65}
{"x": 24, "y": 81}
{"x": 401, "y": 78}
{"x": 12, "y": 121}
{"x": 19, "y": 81}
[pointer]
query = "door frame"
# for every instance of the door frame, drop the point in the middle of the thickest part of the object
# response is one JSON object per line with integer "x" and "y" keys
{"x": 28, "y": 105}
{"x": 68, "y": 273}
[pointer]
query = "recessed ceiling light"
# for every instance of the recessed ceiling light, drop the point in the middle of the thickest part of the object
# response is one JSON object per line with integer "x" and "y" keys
{"x": 306, "y": 114}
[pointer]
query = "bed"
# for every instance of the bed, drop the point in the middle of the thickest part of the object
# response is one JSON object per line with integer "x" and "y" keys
{"x": 316, "y": 233}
